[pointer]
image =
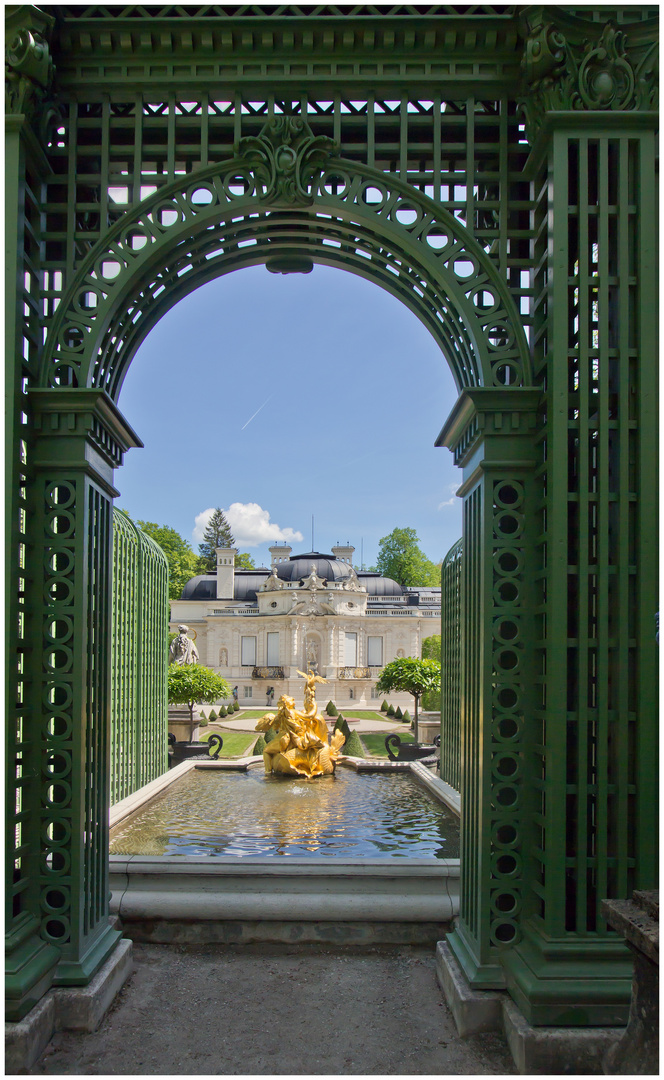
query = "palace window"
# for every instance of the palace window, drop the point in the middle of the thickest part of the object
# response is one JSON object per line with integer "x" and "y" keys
{"x": 248, "y": 691}
{"x": 272, "y": 650}
{"x": 374, "y": 652}
{"x": 350, "y": 650}
{"x": 248, "y": 652}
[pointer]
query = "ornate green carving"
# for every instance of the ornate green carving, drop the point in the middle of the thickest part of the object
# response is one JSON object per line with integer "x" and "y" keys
{"x": 28, "y": 65}
{"x": 285, "y": 158}
{"x": 571, "y": 64}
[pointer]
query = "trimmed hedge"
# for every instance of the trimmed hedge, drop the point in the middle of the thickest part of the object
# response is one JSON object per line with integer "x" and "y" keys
{"x": 331, "y": 709}
{"x": 259, "y": 746}
{"x": 384, "y": 707}
{"x": 353, "y": 747}
{"x": 390, "y": 710}
{"x": 398, "y": 715}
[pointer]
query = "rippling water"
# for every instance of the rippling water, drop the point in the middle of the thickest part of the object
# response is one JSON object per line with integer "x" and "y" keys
{"x": 249, "y": 813}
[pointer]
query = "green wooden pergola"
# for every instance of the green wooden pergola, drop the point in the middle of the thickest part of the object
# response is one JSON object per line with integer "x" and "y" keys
{"x": 493, "y": 167}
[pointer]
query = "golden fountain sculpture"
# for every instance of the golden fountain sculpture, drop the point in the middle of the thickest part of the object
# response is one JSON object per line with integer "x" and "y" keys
{"x": 299, "y": 746}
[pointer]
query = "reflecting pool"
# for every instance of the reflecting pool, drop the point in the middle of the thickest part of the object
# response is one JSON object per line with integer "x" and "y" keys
{"x": 348, "y": 814}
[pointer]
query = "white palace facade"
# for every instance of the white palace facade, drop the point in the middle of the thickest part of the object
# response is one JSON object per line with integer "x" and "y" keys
{"x": 258, "y": 627}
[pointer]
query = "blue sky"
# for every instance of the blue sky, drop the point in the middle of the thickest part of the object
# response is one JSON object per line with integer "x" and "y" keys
{"x": 279, "y": 397}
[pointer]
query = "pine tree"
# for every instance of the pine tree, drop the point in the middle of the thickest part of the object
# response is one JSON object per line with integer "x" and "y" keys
{"x": 217, "y": 534}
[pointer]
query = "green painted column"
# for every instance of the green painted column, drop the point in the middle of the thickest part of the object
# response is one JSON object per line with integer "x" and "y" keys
{"x": 80, "y": 437}
{"x": 491, "y": 432}
{"x": 30, "y": 961}
{"x": 597, "y": 358}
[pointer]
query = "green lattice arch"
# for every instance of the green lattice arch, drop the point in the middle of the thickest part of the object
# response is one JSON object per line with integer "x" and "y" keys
{"x": 284, "y": 201}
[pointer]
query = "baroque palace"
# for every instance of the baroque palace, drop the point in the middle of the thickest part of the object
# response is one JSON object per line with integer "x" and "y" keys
{"x": 257, "y": 628}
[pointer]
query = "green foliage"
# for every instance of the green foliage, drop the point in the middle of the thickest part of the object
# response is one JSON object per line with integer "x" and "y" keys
{"x": 244, "y": 561}
{"x": 236, "y": 706}
{"x": 260, "y": 745}
{"x": 390, "y": 710}
{"x": 431, "y": 701}
{"x": 431, "y": 648}
{"x": 398, "y": 713}
{"x": 223, "y": 712}
{"x": 406, "y": 717}
{"x": 183, "y": 563}
{"x": 352, "y": 746}
{"x": 410, "y": 675}
{"x": 191, "y": 683}
{"x": 217, "y": 534}
{"x": 400, "y": 558}
{"x": 331, "y": 709}
{"x": 269, "y": 735}
{"x": 384, "y": 707}
{"x": 342, "y": 725}
{"x": 212, "y": 715}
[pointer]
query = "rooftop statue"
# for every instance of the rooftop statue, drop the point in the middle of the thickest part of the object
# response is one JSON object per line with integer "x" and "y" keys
{"x": 182, "y": 650}
{"x": 272, "y": 583}
{"x": 300, "y": 746}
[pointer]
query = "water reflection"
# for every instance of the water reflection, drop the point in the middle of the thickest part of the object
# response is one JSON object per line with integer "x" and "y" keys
{"x": 345, "y": 814}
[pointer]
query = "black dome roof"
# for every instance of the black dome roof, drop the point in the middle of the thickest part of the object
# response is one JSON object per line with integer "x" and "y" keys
{"x": 296, "y": 568}
{"x": 204, "y": 587}
{"x": 377, "y": 585}
{"x": 326, "y": 566}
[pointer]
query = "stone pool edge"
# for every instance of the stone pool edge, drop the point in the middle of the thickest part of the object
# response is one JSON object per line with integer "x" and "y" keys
{"x": 205, "y": 899}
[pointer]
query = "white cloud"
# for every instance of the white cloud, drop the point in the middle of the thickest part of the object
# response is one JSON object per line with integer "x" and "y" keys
{"x": 250, "y": 525}
{"x": 452, "y": 488}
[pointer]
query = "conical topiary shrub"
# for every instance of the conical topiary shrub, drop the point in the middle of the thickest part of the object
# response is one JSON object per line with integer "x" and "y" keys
{"x": 398, "y": 715}
{"x": 236, "y": 706}
{"x": 384, "y": 707}
{"x": 406, "y": 717}
{"x": 223, "y": 712}
{"x": 212, "y": 715}
{"x": 352, "y": 746}
{"x": 259, "y": 745}
{"x": 390, "y": 710}
{"x": 331, "y": 709}
{"x": 269, "y": 735}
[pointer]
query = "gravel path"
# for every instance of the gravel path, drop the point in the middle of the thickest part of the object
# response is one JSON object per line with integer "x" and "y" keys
{"x": 273, "y": 1010}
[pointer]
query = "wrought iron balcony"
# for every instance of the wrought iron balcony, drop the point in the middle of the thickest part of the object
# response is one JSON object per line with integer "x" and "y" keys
{"x": 267, "y": 673}
{"x": 354, "y": 673}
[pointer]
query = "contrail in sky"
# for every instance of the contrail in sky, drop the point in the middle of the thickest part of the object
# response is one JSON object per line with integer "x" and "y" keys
{"x": 256, "y": 413}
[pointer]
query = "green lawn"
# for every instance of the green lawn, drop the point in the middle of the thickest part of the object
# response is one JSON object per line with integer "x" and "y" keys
{"x": 236, "y": 743}
{"x": 374, "y": 742}
{"x": 363, "y": 714}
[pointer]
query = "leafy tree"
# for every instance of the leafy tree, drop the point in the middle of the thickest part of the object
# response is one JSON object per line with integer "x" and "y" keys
{"x": 414, "y": 676}
{"x": 217, "y": 534}
{"x": 431, "y": 648}
{"x": 183, "y": 563}
{"x": 400, "y": 558}
{"x": 244, "y": 561}
{"x": 431, "y": 651}
{"x": 192, "y": 683}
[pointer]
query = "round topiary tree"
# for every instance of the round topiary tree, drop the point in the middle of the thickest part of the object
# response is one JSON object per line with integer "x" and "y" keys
{"x": 398, "y": 713}
{"x": 390, "y": 710}
{"x": 190, "y": 684}
{"x": 331, "y": 709}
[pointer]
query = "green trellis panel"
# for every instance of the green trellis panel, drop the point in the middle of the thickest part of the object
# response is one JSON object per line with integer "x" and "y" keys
{"x": 450, "y": 661}
{"x": 473, "y": 141}
{"x": 139, "y": 698}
